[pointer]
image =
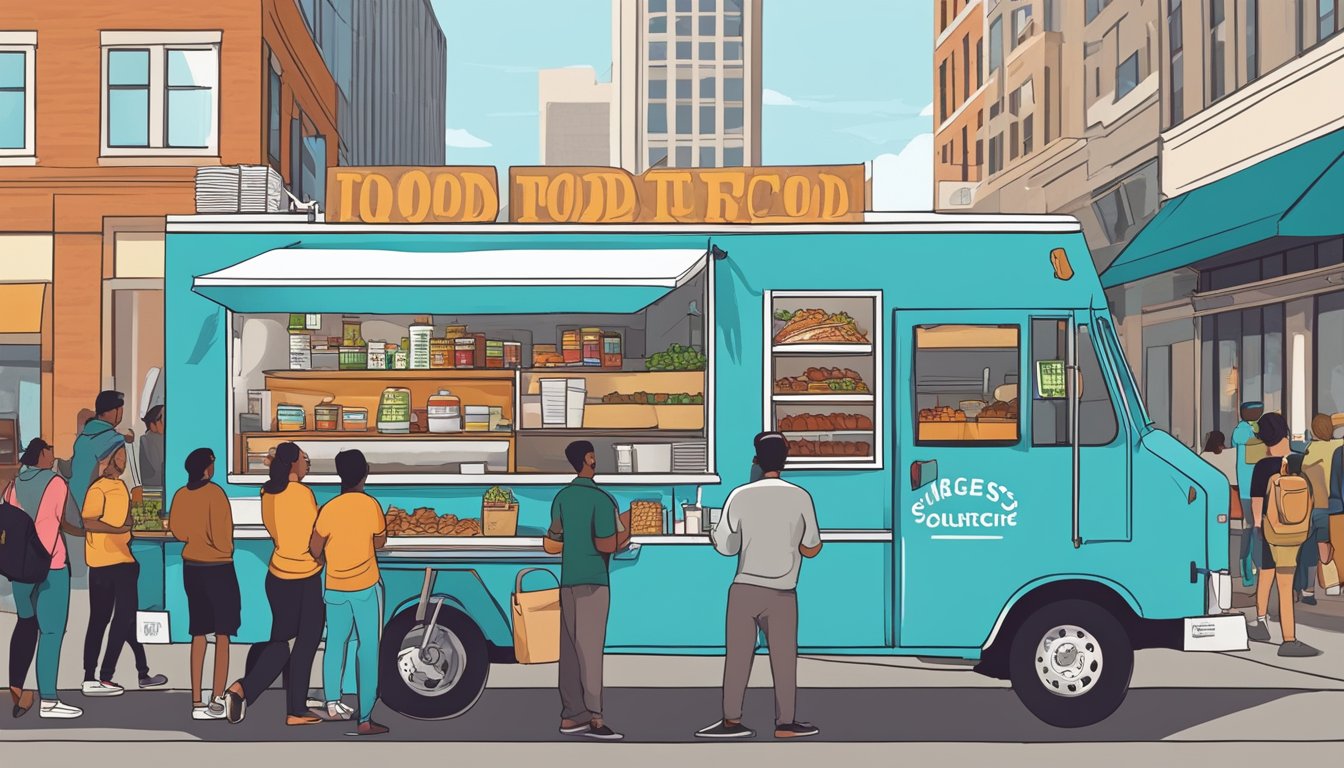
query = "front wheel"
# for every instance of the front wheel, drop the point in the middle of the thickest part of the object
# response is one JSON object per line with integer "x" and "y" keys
{"x": 1070, "y": 663}
{"x": 436, "y": 679}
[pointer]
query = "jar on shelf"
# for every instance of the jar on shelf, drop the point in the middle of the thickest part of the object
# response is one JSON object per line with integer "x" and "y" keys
{"x": 479, "y": 359}
{"x": 494, "y": 354}
{"x": 353, "y": 358}
{"x": 464, "y": 352}
{"x": 591, "y": 340}
{"x": 571, "y": 348}
{"x": 440, "y": 353}
{"x": 513, "y": 354}
{"x": 611, "y": 351}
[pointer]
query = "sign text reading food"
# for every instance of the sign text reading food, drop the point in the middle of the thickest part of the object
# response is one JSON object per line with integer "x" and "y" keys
{"x": 408, "y": 195}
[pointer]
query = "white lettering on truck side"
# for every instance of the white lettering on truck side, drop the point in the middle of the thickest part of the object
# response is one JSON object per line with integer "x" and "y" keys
{"x": 948, "y": 488}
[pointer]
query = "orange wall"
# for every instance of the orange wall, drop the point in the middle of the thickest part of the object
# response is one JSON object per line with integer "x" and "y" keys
{"x": 71, "y": 190}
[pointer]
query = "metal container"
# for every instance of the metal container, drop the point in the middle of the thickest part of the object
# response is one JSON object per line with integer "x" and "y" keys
{"x": 445, "y": 412}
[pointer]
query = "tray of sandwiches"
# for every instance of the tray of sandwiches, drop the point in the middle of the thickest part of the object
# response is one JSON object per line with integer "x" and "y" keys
{"x": 823, "y": 381}
{"x": 817, "y": 326}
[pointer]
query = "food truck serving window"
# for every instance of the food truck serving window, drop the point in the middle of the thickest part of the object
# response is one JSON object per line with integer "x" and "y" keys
{"x": 824, "y": 368}
{"x": 1050, "y": 413}
{"x": 966, "y": 384}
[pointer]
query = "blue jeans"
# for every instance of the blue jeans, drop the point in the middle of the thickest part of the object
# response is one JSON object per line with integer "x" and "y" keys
{"x": 49, "y": 603}
{"x": 358, "y": 615}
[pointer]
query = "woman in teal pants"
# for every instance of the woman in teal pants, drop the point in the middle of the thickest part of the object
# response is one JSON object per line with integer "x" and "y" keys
{"x": 348, "y": 533}
{"x": 42, "y": 608}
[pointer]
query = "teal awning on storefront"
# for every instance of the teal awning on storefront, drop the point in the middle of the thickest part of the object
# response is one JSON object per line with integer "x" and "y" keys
{"x": 1297, "y": 193}
{"x": 476, "y": 282}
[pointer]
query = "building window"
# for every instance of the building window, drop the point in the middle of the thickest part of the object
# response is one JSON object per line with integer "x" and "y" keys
{"x": 684, "y": 25}
{"x": 979, "y": 62}
{"x": 1127, "y": 76}
{"x": 273, "y": 116}
{"x": 732, "y": 89}
{"x": 683, "y": 6}
{"x": 709, "y": 52}
{"x": 161, "y": 97}
{"x": 657, "y": 51}
{"x": 1217, "y": 50}
{"x": 995, "y": 154}
{"x": 657, "y": 157}
{"x": 708, "y": 157}
{"x": 1327, "y": 19}
{"x": 732, "y": 157}
{"x": 684, "y": 51}
{"x": 708, "y": 6}
{"x": 657, "y": 6}
{"x": 1013, "y": 141}
{"x": 683, "y": 124}
{"x": 657, "y": 87}
{"x": 1329, "y": 353}
{"x": 966, "y": 67}
{"x": 996, "y": 44}
{"x": 657, "y": 117}
{"x": 1126, "y": 207}
{"x": 732, "y": 50}
{"x": 733, "y": 118}
{"x": 1028, "y": 124}
{"x": 942, "y": 92}
{"x": 684, "y": 156}
{"x": 708, "y": 26}
{"x": 1252, "y": 39}
{"x": 707, "y": 121}
{"x": 707, "y": 87}
{"x": 657, "y": 24}
{"x": 1021, "y": 26}
{"x": 1176, "y": 38}
{"x": 732, "y": 25}
{"x": 16, "y": 95}
{"x": 1095, "y": 7}
{"x": 943, "y": 24}
{"x": 684, "y": 88}
{"x": 1052, "y": 15}
{"x": 20, "y": 399}
{"x": 1242, "y": 359}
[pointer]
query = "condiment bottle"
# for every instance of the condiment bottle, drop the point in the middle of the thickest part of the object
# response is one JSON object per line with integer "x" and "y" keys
{"x": 421, "y": 331}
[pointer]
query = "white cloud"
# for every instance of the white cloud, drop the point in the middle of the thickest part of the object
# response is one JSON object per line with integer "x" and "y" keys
{"x": 927, "y": 111}
{"x": 461, "y": 138}
{"x": 904, "y": 181}
{"x": 773, "y": 98}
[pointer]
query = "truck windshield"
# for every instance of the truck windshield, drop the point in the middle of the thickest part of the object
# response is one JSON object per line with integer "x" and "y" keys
{"x": 1106, "y": 335}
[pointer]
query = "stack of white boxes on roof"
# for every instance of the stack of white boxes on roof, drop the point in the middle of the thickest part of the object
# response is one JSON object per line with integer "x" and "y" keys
{"x": 239, "y": 189}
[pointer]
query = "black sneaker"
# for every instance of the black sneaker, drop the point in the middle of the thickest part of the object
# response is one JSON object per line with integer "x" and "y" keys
{"x": 1308, "y": 599}
{"x": 722, "y": 730}
{"x": 235, "y": 707}
{"x": 153, "y": 681}
{"x": 795, "y": 730}
{"x": 602, "y": 733}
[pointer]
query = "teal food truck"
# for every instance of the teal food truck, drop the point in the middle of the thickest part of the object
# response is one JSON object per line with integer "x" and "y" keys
{"x": 988, "y": 484}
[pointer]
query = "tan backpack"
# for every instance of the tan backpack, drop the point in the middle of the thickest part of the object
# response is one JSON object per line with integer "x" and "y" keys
{"x": 1288, "y": 509}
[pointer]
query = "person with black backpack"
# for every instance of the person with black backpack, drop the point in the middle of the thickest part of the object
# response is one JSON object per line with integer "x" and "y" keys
{"x": 43, "y": 604}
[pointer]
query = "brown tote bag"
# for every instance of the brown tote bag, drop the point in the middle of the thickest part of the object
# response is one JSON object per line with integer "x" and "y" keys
{"x": 536, "y": 622}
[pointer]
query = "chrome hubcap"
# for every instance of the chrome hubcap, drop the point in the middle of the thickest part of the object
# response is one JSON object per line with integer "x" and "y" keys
{"x": 1068, "y": 661}
{"x": 435, "y": 669}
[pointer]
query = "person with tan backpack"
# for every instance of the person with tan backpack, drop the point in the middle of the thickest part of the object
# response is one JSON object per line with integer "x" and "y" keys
{"x": 1281, "y": 504}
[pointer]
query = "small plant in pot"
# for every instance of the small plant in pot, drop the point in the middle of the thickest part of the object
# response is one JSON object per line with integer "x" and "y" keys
{"x": 499, "y": 512}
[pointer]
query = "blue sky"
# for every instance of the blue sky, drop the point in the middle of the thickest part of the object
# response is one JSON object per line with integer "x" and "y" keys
{"x": 846, "y": 81}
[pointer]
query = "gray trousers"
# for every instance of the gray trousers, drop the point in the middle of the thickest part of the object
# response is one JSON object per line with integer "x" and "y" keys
{"x": 775, "y": 612}
{"x": 583, "y": 639}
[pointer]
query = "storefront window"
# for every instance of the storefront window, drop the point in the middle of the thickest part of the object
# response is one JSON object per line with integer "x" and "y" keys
{"x": 20, "y": 401}
{"x": 1330, "y": 353}
{"x": 1243, "y": 359}
{"x": 966, "y": 384}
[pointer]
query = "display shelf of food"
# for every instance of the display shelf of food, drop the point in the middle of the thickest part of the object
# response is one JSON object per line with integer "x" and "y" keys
{"x": 824, "y": 369}
{"x": 967, "y": 385}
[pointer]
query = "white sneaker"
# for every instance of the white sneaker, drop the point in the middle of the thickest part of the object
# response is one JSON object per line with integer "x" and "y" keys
{"x": 57, "y": 710}
{"x": 212, "y": 711}
{"x": 339, "y": 710}
{"x": 101, "y": 688}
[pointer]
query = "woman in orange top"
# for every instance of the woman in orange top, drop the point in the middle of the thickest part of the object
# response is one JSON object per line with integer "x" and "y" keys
{"x": 294, "y": 590}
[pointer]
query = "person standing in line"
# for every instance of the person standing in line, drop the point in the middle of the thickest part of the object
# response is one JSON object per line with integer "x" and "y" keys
{"x": 596, "y": 530}
{"x": 1316, "y": 464}
{"x": 201, "y": 518}
{"x": 42, "y": 608}
{"x": 350, "y": 529}
{"x": 294, "y": 591}
{"x": 114, "y": 577}
{"x": 1243, "y": 435}
{"x": 151, "y": 449}
{"x": 770, "y": 525}
{"x": 1277, "y": 562}
{"x": 92, "y": 444}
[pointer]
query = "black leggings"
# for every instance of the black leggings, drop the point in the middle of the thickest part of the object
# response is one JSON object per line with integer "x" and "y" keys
{"x": 299, "y": 615}
{"x": 114, "y": 598}
{"x": 22, "y": 649}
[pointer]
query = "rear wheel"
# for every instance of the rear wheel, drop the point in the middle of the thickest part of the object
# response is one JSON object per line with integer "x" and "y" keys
{"x": 436, "y": 679}
{"x": 1070, "y": 663}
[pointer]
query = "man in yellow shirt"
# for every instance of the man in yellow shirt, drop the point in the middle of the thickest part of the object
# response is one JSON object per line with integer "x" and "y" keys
{"x": 349, "y": 531}
{"x": 113, "y": 577}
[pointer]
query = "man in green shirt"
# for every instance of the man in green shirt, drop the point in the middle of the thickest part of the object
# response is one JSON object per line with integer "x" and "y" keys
{"x": 599, "y": 530}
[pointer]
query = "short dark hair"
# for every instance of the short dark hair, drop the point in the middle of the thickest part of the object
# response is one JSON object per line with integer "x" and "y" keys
{"x": 197, "y": 462}
{"x": 153, "y": 416}
{"x": 576, "y": 452}
{"x": 352, "y": 467}
{"x": 33, "y": 452}
{"x": 1273, "y": 429}
{"x": 108, "y": 401}
{"x": 772, "y": 451}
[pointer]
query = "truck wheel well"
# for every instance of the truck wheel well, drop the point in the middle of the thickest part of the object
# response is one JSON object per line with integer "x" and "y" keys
{"x": 994, "y": 659}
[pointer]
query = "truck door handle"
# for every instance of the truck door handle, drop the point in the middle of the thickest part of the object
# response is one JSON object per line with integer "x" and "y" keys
{"x": 922, "y": 473}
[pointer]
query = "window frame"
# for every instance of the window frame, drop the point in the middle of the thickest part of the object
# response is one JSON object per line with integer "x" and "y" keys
{"x": 157, "y": 44}
{"x": 26, "y": 44}
{"x": 1078, "y": 329}
{"x": 1133, "y": 57}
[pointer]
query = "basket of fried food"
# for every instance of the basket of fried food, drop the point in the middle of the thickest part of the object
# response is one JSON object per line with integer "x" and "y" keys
{"x": 424, "y": 521}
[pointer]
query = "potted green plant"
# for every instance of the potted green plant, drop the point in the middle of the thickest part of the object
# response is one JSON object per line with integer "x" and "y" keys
{"x": 499, "y": 512}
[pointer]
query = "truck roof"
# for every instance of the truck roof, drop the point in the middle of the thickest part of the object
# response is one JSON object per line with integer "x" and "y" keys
{"x": 874, "y": 222}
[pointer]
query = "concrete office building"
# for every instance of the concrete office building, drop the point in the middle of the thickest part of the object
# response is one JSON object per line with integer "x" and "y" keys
{"x": 578, "y": 119}
{"x": 1235, "y": 291}
{"x": 687, "y": 78}
{"x": 389, "y": 59}
{"x": 958, "y": 101}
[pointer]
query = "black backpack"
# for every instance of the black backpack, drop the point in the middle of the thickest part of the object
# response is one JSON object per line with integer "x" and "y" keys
{"x": 23, "y": 559}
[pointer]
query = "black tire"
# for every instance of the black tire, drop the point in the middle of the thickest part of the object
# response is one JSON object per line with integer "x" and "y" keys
{"x": 1111, "y": 683}
{"x": 404, "y": 700}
